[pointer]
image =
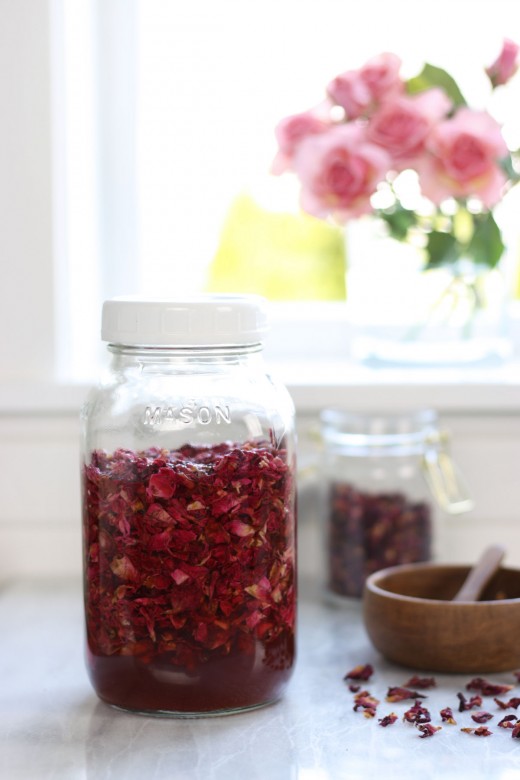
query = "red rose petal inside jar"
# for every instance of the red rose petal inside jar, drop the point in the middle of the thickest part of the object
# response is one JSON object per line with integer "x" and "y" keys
{"x": 370, "y": 531}
{"x": 190, "y": 590}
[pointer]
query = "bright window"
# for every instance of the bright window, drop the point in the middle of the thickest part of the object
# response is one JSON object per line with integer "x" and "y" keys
{"x": 168, "y": 112}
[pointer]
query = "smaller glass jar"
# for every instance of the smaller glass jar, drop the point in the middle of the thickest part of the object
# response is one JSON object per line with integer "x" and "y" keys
{"x": 383, "y": 476}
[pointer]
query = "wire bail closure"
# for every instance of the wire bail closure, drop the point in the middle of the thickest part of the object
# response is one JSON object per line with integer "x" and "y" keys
{"x": 443, "y": 477}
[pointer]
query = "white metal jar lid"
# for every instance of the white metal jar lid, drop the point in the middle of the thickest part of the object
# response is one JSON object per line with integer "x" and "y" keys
{"x": 204, "y": 320}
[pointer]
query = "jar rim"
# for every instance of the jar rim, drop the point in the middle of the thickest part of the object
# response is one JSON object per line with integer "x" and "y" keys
{"x": 398, "y": 432}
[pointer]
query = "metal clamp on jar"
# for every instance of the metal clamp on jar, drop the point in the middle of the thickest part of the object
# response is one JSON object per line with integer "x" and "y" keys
{"x": 381, "y": 477}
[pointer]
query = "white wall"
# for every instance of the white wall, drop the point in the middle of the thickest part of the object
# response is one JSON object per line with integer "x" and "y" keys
{"x": 26, "y": 240}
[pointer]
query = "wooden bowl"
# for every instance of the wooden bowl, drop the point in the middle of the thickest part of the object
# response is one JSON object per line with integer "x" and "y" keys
{"x": 410, "y": 619}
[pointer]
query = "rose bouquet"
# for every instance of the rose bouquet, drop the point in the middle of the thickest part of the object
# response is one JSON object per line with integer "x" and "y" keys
{"x": 411, "y": 152}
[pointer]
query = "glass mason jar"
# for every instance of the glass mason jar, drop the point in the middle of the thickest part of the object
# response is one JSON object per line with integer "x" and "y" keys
{"x": 188, "y": 511}
{"x": 383, "y": 477}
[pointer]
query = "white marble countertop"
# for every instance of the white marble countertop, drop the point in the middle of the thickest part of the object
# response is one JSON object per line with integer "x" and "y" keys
{"x": 52, "y": 726}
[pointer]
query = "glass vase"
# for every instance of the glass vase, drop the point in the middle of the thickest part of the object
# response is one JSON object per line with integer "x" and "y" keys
{"x": 401, "y": 314}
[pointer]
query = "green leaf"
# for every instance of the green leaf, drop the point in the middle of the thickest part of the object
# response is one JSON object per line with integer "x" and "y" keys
{"x": 399, "y": 221}
{"x": 486, "y": 246}
{"x": 441, "y": 249}
{"x": 431, "y": 76}
{"x": 508, "y": 166}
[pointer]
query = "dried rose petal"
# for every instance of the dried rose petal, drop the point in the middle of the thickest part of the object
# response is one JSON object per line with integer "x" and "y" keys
{"x": 508, "y": 721}
{"x": 481, "y": 717}
{"x": 370, "y": 531}
{"x": 464, "y": 704}
{"x": 516, "y": 730}
{"x": 361, "y": 672}
{"x": 364, "y": 701}
{"x": 162, "y": 484}
{"x": 481, "y": 731}
{"x": 354, "y": 688}
{"x": 428, "y": 730}
{"x": 487, "y": 688}
{"x": 447, "y": 716}
{"x": 123, "y": 568}
{"x": 399, "y": 693}
{"x": 388, "y": 720}
{"x": 189, "y": 562}
{"x": 417, "y": 714}
{"x": 511, "y": 704}
{"x": 423, "y": 683}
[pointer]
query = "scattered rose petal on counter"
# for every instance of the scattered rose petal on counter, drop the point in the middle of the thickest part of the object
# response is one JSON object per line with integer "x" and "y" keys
{"x": 447, "y": 716}
{"x": 464, "y": 704}
{"x": 388, "y": 720}
{"x": 417, "y": 714}
{"x": 423, "y": 683}
{"x": 508, "y": 722}
{"x": 428, "y": 730}
{"x": 512, "y": 704}
{"x": 398, "y": 693}
{"x": 487, "y": 688}
{"x": 361, "y": 672}
{"x": 481, "y": 731}
{"x": 481, "y": 717}
{"x": 364, "y": 701}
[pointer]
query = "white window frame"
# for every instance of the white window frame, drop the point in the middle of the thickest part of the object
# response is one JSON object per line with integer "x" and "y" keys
{"x": 26, "y": 194}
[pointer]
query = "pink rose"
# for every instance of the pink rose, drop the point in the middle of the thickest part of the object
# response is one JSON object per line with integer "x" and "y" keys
{"x": 289, "y": 134}
{"x": 401, "y": 125}
{"x": 359, "y": 91}
{"x": 339, "y": 170}
{"x": 350, "y": 91}
{"x": 381, "y": 75}
{"x": 506, "y": 64}
{"x": 463, "y": 158}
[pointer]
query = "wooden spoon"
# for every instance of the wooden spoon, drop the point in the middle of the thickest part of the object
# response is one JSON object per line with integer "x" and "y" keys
{"x": 480, "y": 574}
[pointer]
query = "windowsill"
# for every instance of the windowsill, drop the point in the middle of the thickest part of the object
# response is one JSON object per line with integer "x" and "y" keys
{"x": 319, "y": 384}
{"x": 315, "y": 384}
{"x": 320, "y": 373}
